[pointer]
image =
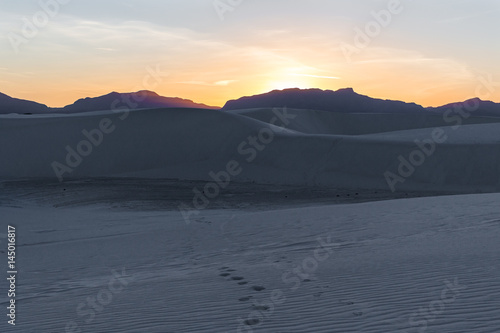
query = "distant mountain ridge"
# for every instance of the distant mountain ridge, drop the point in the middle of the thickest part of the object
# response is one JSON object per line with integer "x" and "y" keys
{"x": 342, "y": 101}
{"x": 347, "y": 101}
{"x": 15, "y": 105}
{"x": 474, "y": 105}
{"x": 139, "y": 100}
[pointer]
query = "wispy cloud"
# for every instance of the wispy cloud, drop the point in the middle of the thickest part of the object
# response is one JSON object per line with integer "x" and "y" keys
{"x": 224, "y": 83}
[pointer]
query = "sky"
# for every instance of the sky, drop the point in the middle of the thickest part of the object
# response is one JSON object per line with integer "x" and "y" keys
{"x": 210, "y": 51}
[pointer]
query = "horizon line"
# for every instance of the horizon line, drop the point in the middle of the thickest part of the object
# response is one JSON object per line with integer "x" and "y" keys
{"x": 248, "y": 96}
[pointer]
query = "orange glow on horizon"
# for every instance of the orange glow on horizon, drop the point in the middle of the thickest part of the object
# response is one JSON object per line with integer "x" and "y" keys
{"x": 210, "y": 63}
{"x": 213, "y": 97}
{"x": 216, "y": 90}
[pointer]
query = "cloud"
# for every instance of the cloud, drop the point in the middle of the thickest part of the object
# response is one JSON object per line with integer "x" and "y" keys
{"x": 224, "y": 83}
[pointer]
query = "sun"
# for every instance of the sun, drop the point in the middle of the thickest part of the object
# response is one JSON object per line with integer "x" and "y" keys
{"x": 280, "y": 85}
{"x": 287, "y": 81}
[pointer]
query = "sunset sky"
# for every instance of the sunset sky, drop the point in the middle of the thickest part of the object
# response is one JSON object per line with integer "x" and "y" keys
{"x": 426, "y": 51}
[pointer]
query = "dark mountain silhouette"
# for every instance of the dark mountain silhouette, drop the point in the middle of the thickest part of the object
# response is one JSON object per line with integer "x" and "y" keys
{"x": 139, "y": 100}
{"x": 14, "y": 105}
{"x": 348, "y": 101}
{"x": 474, "y": 106}
{"x": 343, "y": 100}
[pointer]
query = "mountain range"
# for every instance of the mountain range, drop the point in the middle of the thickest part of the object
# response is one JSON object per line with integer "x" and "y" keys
{"x": 14, "y": 105}
{"x": 139, "y": 100}
{"x": 343, "y": 101}
{"x": 348, "y": 101}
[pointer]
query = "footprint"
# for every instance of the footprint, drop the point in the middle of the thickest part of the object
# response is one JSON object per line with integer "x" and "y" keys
{"x": 224, "y": 274}
{"x": 245, "y": 299}
{"x": 251, "y": 322}
{"x": 258, "y": 288}
{"x": 242, "y": 283}
{"x": 237, "y": 278}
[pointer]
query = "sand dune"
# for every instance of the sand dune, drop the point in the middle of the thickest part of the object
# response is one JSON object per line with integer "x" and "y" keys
{"x": 341, "y": 123}
{"x": 272, "y": 260}
{"x": 191, "y": 143}
{"x": 374, "y": 267}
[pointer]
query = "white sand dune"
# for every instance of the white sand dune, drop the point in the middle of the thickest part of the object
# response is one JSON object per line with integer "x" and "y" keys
{"x": 191, "y": 143}
{"x": 415, "y": 265}
{"x": 341, "y": 123}
{"x": 97, "y": 256}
